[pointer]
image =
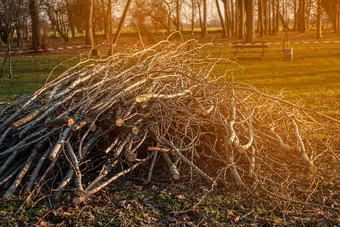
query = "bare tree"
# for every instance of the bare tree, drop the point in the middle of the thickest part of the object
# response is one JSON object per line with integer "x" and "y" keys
{"x": 90, "y": 29}
{"x": 200, "y": 17}
{"x": 260, "y": 18}
{"x": 105, "y": 12}
{"x": 233, "y": 19}
{"x": 193, "y": 13}
{"x": 318, "y": 20}
{"x": 227, "y": 26}
{"x": 332, "y": 8}
{"x": 241, "y": 9}
{"x": 58, "y": 16}
{"x": 205, "y": 15}
{"x": 109, "y": 12}
{"x": 224, "y": 34}
{"x": 277, "y": 17}
{"x": 178, "y": 16}
{"x": 301, "y": 19}
{"x": 122, "y": 21}
{"x": 34, "y": 14}
{"x": 250, "y": 12}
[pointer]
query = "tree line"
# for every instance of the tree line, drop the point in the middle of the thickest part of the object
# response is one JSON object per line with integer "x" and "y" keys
{"x": 34, "y": 19}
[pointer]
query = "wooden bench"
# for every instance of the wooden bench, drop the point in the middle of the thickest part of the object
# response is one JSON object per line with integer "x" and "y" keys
{"x": 252, "y": 47}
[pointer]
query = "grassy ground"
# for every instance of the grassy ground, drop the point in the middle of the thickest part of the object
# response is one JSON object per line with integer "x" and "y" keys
{"x": 312, "y": 79}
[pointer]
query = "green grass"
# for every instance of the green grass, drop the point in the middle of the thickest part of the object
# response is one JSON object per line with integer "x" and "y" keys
{"x": 312, "y": 79}
{"x": 30, "y": 72}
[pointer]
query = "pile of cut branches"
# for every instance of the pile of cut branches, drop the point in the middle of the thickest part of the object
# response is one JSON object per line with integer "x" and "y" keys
{"x": 102, "y": 119}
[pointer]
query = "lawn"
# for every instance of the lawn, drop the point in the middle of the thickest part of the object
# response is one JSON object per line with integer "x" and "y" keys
{"x": 312, "y": 79}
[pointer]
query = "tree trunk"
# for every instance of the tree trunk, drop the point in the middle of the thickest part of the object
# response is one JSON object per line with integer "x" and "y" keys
{"x": 228, "y": 20}
{"x": 90, "y": 28}
{"x": 260, "y": 18}
{"x": 302, "y": 16}
{"x": 178, "y": 16}
{"x": 224, "y": 34}
{"x": 296, "y": 16}
{"x": 122, "y": 21}
{"x": 109, "y": 18}
{"x": 283, "y": 17}
{"x": 236, "y": 18}
{"x": 233, "y": 19}
{"x": 273, "y": 17}
{"x": 250, "y": 9}
{"x": 269, "y": 17}
{"x": 193, "y": 11}
{"x": 241, "y": 19}
{"x": 337, "y": 18}
{"x": 205, "y": 29}
{"x": 318, "y": 21}
{"x": 105, "y": 20}
{"x": 265, "y": 16}
{"x": 34, "y": 14}
{"x": 277, "y": 27}
{"x": 200, "y": 17}
{"x": 73, "y": 32}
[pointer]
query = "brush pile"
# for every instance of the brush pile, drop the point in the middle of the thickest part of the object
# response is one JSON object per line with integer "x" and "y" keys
{"x": 102, "y": 119}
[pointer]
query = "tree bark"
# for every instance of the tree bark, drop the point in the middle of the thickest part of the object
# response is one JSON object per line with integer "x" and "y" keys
{"x": 318, "y": 21}
{"x": 90, "y": 30}
{"x": 109, "y": 18}
{"x": 301, "y": 24}
{"x": 224, "y": 34}
{"x": 269, "y": 9}
{"x": 296, "y": 17}
{"x": 122, "y": 21}
{"x": 205, "y": 29}
{"x": 241, "y": 19}
{"x": 250, "y": 9}
{"x": 178, "y": 16}
{"x": 337, "y": 18}
{"x": 105, "y": 20}
{"x": 277, "y": 26}
{"x": 200, "y": 17}
{"x": 193, "y": 12}
{"x": 34, "y": 14}
{"x": 273, "y": 17}
{"x": 228, "y": 20}
{"x": 260, "y": 18}
{"x": 265, "y": 16}
{"x": 233, "y": 19}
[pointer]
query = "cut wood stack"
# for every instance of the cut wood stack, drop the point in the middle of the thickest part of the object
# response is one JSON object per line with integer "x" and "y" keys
{"x": 162, "y": 107}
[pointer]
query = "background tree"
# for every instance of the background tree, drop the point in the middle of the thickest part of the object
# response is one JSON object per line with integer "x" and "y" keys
{"x": 9, "y": 19}
{"x": 193, "y": 16}
{"x": 277, "y": 16}
{"x": 205, "y": 15}
{"x": 228, "y": 20}
{"x": 332, "y": 9}
{"x": 260, "y": 17}
{"x": 250, "y": 10}
{"x": 34, "y": 14}
{"x": 57, "y": 11}
{"x": 241, "y": 16}
{"x": 178, "y": 16}
{"x": 223, "y": 23}
{"x": 122, "y": 21}
{"x": 319, "y": 20}
{"x": 301, "y": 19}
